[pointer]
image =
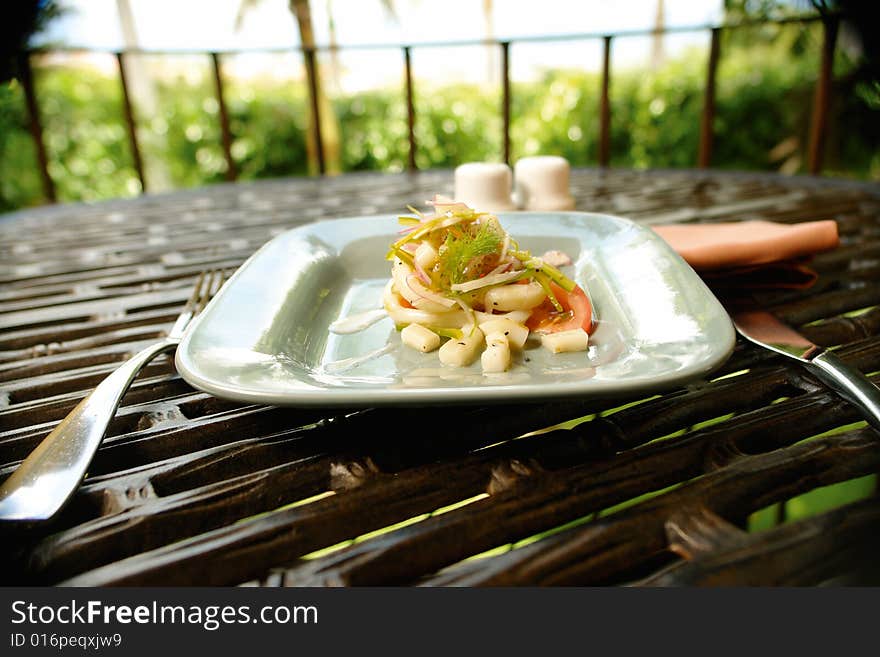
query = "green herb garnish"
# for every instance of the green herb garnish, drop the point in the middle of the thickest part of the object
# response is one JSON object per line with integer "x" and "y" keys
{"x": 470, "y": 252}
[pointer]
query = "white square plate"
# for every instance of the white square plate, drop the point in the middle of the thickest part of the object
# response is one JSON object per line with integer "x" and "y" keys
{"x": 265, "y": 336}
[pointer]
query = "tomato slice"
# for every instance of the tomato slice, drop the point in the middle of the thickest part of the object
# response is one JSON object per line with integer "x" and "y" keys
{"x": 577, "y": 312}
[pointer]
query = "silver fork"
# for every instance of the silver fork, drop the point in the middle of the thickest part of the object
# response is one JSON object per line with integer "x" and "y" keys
{"x": 45, "y": 481}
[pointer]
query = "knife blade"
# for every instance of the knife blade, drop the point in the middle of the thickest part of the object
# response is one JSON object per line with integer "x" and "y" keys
{"x": 766, "y": 330}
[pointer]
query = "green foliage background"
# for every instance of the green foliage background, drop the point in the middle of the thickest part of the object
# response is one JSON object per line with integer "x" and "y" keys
{"x": 764, "y": 97}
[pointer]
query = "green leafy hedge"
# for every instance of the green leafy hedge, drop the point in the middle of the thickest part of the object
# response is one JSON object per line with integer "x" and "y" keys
{"x": 763, "y": 112}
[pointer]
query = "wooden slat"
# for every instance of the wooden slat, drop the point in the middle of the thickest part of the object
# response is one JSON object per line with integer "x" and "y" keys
{"x": 822, "y": 97}
{"x": 188, "y": 488}
{"x": 797, "y": 554}
{"x": 505, "y": 102}
{"x": 315, "y": 106}
{"x": 707, "y": 118}
{"x": 223, "y": 115}
{"x": 130, "y": 122}
{"x": 605, "y": 106}
{"x": 35, "y": 124}
{"x": 610, "y": 549}
{"x": 410, "y": 109}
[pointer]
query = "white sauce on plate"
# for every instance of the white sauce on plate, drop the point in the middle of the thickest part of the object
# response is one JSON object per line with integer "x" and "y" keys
{"x": 337, "y": 366}
{"x": 358, "y": 322}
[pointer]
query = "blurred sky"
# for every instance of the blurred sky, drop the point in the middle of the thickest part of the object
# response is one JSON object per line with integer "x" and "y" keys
{"x": 211, "y": 25}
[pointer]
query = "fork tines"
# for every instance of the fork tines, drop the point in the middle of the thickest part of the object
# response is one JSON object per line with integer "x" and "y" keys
{"x": 207, "y": 285}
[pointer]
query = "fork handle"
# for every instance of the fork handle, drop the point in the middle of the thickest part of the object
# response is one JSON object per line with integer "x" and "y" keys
{"x": 48, "y": 477}
{"x": 851, "y": 384}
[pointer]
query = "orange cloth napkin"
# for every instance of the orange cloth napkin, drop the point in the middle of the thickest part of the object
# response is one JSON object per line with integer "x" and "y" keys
{"x": 752, "y": 253}
{"x": 746, "y": 243}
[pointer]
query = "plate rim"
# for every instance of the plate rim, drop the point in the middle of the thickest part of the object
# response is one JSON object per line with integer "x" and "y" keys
{"x": 328, "y": 396}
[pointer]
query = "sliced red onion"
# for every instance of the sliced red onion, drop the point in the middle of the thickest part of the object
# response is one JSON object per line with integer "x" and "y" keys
{"x": 423, "y": 275}
{"x": 494, "y": 279}
{"x": 450, "y": 221}
{"x": 443, "y": 204}
{"x": 421, "y": 291}
{"x": 503, "y": 267}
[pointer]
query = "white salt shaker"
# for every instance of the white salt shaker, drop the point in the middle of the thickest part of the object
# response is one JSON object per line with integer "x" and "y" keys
{"x": 541, "y": 183}
{"x": 484, "y": 186}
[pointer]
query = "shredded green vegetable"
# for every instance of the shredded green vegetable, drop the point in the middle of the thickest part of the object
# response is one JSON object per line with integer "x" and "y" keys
{"x": 470, "y": 246}
{"x": 465, "y": 253}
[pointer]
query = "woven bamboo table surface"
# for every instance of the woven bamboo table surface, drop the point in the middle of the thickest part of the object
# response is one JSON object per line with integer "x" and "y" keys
{"x": 189, "y": 489}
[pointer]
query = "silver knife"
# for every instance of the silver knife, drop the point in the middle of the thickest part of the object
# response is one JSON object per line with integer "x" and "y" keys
{"x": 766, "y": 330}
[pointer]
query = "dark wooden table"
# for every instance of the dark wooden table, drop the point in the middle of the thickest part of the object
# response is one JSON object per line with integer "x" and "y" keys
{"x": 189, "y": 489}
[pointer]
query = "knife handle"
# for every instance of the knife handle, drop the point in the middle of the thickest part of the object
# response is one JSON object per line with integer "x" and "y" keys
{"x": 851, "y": 384}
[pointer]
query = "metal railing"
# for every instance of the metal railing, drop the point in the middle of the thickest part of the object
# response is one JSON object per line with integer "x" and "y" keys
{"x": 818, "y": 125}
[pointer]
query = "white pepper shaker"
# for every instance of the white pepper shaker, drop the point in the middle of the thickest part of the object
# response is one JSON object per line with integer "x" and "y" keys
{"x": 541, "y": 183}
{"x": 484, "y": 186}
